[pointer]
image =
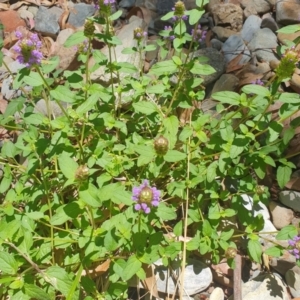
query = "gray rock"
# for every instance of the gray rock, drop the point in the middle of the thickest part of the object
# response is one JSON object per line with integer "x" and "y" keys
{"x": 55, "y": 110}
{"x": 281, "y": 216}
{"x": 266, "y": 287}
{"x": 290, "y": 199}
{"x": 33, "y": 9}
{"x": 227, "y": 82}
{"x": 269, "y": 22}
{"x": 250, "y": 10}
{"x": 197, "y": 277}
{"x": 261, "y": 6}
{"x": 216, "y": 44}
{"x": 216, "y": 60}
{"x": 284, "y": 263}
{"x": 233, "y": 47}
{"x": 223, "y": 33}
{"x": 164, "y": 6}
{"x": 217, "y": 294}
{"x": 263, "y": 44}
{"x": 46, "y": 20}
{"x": 251, "y": 25}
{"x": 287, "y": 12}
{"x": 292, "y": 278}
{"x": 127, "y": 3}
{"x": 79, "y": 13}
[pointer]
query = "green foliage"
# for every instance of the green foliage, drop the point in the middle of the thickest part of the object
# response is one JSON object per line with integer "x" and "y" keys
{"x": 66, "y": 190}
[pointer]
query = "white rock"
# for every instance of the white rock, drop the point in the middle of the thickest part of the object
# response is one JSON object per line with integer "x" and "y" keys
{"x": 292, "y": 278}
{"x": 217, "y": 294}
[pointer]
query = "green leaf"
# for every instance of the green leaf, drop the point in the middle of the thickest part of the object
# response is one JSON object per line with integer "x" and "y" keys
{"x": 178, "y": 228}
{"x": 177, "y": 60}
{"x": 88, "y": 104}
{"x": 226, "y": 235}
{"x": 195, "y": 15}
{"x": 255, "y": 250}
{"x": 111, "y": 241}
{"x": 36, "y": 292}
{"x": 132, "y": 267}
{"x": 14, "y": 106}
{"x": 156, "y": 89}
{"x": 163, "y": 67}
{"x": 206, "y": 228}
{"x": 287, "y": 232}
{"x": 33, "y": 79}
{"x": 180, "y": 28}
{"x": 66, "y": 212}
{"x": 174, "y": 155}
{"x": 289, "y": 29}
{"x": 59, "y": 279}
{"x": 275, "y": 129}
{"x": 257, "y": 90}
{"x": 200, "y": 69}
{"x": 227, "y": 97}
{"x": 228, "y": 212}
{"x": 291, "y": 98}
{"x": 168, "y": 16}
{"x": 283, "y": 175}
{"x": 214, "y": 212}
{"x": 62, "y": 93}
{"x": 145, "y": 107}
{"x": 127, "y": 68}
{"x": 67, "y": 165}
{"x": 275, "y": 251}
{"x": 288, "y": 135}
{"x": 211, "y": 171}
{"x": 89, "y": 195}
{"x": 165, "y": 213}
{"x": 8, "y": 264}
{"x": 50, "y": 64}
{"x": 75, "y": 39}
{"x": 171, "y": 125}
{"x": 116, "y": 15}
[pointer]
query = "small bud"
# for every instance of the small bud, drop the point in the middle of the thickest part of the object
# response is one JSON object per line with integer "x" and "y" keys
{"x": 89, "y": 29}
{"x": 230, "y": 252}
{"x": 260, "y": 189}
{"x": 146, "y": 195}
{"x": 82, "y": 173}
{"x": 287, "y": 64}
{"x": 139, "y": 34}
{"x": 161, "y": 145}
{"x": 179, "y": 9}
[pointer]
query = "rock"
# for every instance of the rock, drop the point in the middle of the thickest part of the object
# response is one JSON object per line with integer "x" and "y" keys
{"x": 266, "y": 287}
{"x": 283, "y": 263}
{"x": 283, "y": 37}
{"x": 197, "y": 277}
{"x": 79, "y": 13}
{"x": 46, "y": 20}
{"x": 290, "y": 199}
{"x": 260, "y": 6}
{"x": 163, "y": 6}
{"x": 235, "y": 46}
{"x": 227, "y": 82}
{"x": 296, "y": 222}
{"x": 217, "y": 294}
{"x": 216, "y": 60}
{"x": 55, "y": 110}
{"x": 281, "y": 216}
{"x": 216, "y": 44}
{"x": 227, "y": 13}
{"x": 287, "y": 12}
{"x": 251, "y": 25}
{"x": 250, "y": 10}
{"x": 222, "y": 33}
{"x": 126, "y": 3}
{"x": 33, "y": 9}
{"x": 292, "y": 278}
{"x": 10, "y": 19}
{"x": 263, "y": 44}
{"x": 269, "y": 22}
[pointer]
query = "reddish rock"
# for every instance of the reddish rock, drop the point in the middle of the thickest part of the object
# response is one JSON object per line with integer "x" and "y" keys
{"x": 11, "y": 20}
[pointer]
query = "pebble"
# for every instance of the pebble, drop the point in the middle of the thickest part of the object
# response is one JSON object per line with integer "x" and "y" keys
{"x": 227, "y": 82}
{"x": 260, "y": 6}
{"x": 217, "y": 294}
{"x": 197, "y": 278}
{"x": 292, "y": 278}
{"x": 269, "y": 22}
{"x": 46, "y": 20}
{"x": 11, "y": 20}
{"x": 281, "y": 215}
{"x": 250, "y": 27}
{"x": 79, "y": 13}
{"x": 290, "y": 199}
{"x": 287, "y": 12}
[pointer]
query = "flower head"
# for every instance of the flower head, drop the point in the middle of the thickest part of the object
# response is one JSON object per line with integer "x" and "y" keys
{"x": 258, "y": 82}
{"x": 295, "y": 246}
{"x": 287, "y": 64}
{"x": 170, "y": 37}
{"x": 139, "y": 34}
{"x": 145, "y": 197}
{"x": 179, "y": 12}
{"x": 198, "y": 35}
{"x": 104, "y": 6}
{"x": 28, "y": 49}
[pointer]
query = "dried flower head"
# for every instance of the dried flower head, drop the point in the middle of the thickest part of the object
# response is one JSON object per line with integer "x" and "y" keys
{"x": 82, "y": 173}
{"x": 104, "y": 6}
{"x": 145, "y": 197}
{"x": 287, "y": 64}
{"x": 230, "y": 252}
{"x": 89, "y": 29}
{"x": 179, "y": 12}
{"x": 161, "y": 145}
{"x": 28, "y": 49}
{"x": 295, "y": 246}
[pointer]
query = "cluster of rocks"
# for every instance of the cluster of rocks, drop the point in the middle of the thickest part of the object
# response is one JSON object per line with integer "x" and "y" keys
{"x": 241, "y": 45}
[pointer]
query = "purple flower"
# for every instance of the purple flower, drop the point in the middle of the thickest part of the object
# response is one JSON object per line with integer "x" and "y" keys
{"x": 198, "y": 34}
{"x": 145, "y": 196}
{"x": 170, "y": 37}
{"x": 28, "y": 49}
{"x": 258, "y": 82}
{"x": 295, "y": 245}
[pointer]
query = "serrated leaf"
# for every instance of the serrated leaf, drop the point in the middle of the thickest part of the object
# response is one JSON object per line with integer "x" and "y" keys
{"x": 8, "y": 264}
{"x": 211, "y": 171}
{"x": 283, "y": 175}
{"x": 62, "y": 93}
{"x": 50, "y": 64}
{"x": 75, "y": 39}
{"x": 195, "y": 15}
{"x": 35, "y": 292}
{"x": 145, "y": 107}
{"x": 289, "y": 29}
{"x": 275, "y": 251}
{"x": 288, "y": 135}
{"x": 291, "y": 98}
{"x": 33, "y": 79}
{"x": 287, "y": 232}
{"x": 180, "y": 28}
{"x": 226, "y": 235}
{"x": 67, "y": 165}
{"x": 165, "y": 213}
{"x": 127, "y": 68}
{"x": 163, "y": 67}
{"x": 202, "y": 69}
{"x": 88, "y": 104}
{"x": 255, "y": 250}
{"x": 168, "y": 16}
{"x": 156, "y": 89}
{"x": 174, "y": 155}
{"x": 111, "y": 241}
{"x": 227, "y": 97}
{"x": 89, "y": 195}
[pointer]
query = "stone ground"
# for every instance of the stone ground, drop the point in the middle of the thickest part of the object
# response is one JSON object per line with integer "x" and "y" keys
{"x": 241, "y": 44}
